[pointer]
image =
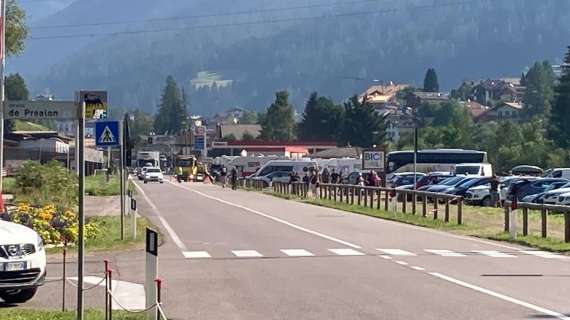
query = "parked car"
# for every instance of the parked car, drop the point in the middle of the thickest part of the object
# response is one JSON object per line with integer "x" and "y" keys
{"x": 405, "y": 178}
{"x": 525, "y": 170}
{"x": 153, "y": 174}
{"x": 539, "y": 197}
{"x": 22, "y": 261}
{"x": 479, "y": 195}
{"x": 444, "y": 185}
{"x": 551, "y": 197}
{"x": 558, "y": 173}
{"x": 564, "y": 199}
{"x": 461, "y": 188}
{"x": 353, "y": 176}
{"x": 528, "y": 187}
{"x": 276, "y": 176}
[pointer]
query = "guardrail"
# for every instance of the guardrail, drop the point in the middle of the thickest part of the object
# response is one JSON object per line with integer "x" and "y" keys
{"x": 544, "y": 209}
{"x": 380, "y": 198}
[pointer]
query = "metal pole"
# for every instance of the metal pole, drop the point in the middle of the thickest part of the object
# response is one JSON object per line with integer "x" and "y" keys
{"x": 80, "y": 241}
{"x": 415, "y": 149}
{"x": 122, "y": 181}
{"x": 2, "y": 95}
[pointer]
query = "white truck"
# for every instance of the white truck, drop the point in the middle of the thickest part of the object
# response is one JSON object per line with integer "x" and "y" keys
{"x": 144, "y": 158}
{"x": 22, "y": 262}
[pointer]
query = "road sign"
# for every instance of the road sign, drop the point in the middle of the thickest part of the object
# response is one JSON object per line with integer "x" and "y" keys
{"x": 199, "y": 142}
{"x": 95, "y": 103}
{"x": 36, "y": 110}
{"x": 200, "y": 131}
{"x": 373, "y": 160}
{"x": 107, "y": 133}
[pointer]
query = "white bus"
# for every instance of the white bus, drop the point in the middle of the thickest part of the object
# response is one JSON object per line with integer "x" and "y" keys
{"x": 432, "y": 160}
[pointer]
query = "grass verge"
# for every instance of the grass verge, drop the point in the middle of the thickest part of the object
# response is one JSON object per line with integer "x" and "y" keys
{"x": 90, "y": 314}
{"x": 478, "y": 222}
{"x": 99, "y": 186}
{"x": 110, "y": 237}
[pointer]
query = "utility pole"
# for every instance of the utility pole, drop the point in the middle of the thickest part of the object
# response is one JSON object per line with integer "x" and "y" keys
{"x": 122, "y": 179}
{"x": 2, "y": 95}
{"x": 81, "y": 235}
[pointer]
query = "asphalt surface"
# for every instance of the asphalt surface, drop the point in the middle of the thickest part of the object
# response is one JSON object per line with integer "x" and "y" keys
{"x": 243, "y": 255}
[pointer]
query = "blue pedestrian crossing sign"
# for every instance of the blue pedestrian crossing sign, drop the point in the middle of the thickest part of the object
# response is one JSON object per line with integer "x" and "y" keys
{"x": 107, "y": 133}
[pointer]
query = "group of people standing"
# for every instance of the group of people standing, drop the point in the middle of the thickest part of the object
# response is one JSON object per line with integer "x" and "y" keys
{"x": 313, "y": 178}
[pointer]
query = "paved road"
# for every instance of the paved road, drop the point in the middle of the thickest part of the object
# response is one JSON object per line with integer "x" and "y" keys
{"x": 243, "y": 255}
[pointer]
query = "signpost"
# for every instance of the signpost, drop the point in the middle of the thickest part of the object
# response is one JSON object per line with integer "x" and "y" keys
{"x": 151, "y": 270}
{"x": 200, "y": 140}
{"x": 373, "y": 160}
{"x": 95, "y": 103}
{"x": 40, "y": 110}
{"x": 107, "y": 133}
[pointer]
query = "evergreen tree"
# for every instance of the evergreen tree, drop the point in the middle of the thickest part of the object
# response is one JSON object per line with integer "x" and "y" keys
{"x": 172, "y": 110}
{"x": 362, "y": 125}
{"x": 321, "y": 119}
{"x": 559, "y": 128}
{"x": 16, "y": 88}
{"x": 523, "y": 80}
{"x": 539, "y": 89}
{"x": 431, "y": 83}
{"x": 279, "y": 122}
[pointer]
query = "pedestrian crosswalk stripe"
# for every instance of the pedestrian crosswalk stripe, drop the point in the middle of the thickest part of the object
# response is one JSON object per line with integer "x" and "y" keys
{"x": 346, "y": 252}
{"x": 396, "y": 252}
{"x": 543, "y": 254}
{"x": 196, "y": 254}
{"x": 247, "y": 254}
{"x": 297, "y": 253}
{"x": 445, "y": 253}
{"x": 494, "y": 254}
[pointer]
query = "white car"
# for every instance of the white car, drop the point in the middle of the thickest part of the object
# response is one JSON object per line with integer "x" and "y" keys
{"x": 276, "y": 176}
{"x": 22, "y": 262}
{"x": 563, "y": 199}
{"x": 480, "y": 195}
{"x": 551, "y": 197}
{"x": 153, "y": 174}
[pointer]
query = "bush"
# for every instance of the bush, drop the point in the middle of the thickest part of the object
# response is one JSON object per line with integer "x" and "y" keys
{"x": 41, "y": 185}
{"x": 53, "y": 226}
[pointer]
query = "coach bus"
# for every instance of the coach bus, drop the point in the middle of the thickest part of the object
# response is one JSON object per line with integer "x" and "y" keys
{"x": 438, "y": 160}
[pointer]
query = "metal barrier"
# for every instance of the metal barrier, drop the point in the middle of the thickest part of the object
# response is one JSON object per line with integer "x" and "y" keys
{"x": 380, "y": 198}
{"x": 544, "y": 209}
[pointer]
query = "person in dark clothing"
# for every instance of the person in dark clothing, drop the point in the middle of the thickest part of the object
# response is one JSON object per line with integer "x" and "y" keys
{"x": 234, "y": 178}
{"x": 494, "y": 192}
{"x": 306, "y": 178}
{"x": 335, "y": 177}
{"x": 325, "y": 177}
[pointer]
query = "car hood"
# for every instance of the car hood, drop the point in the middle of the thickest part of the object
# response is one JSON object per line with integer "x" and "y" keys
{"x": 557, "y": 191}
{"x": 12, "y": 233}
{"x": 439, "y": 188}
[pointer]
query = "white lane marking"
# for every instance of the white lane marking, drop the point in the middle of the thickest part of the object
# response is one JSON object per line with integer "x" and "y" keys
{"x": 501, "y": 296}
{"x": 403, "y": 263}
{"x": 196, "y": 254}
{"x": 247, "y": 253}
{"x": 417, "y": 268}
{"x": 396, "y": 252}
{"x": 165, "y": 224}
{"x": 292, "y": 225}
{"x": 386, "y": 257}
{"x": 297, "y": 253}
{"x": 494, "y": 254}
{"x": 445, "y": 253}
{"x": 129, "y": 295}
{"x": 346, "y": 252}
{"x": 543, "y": 254}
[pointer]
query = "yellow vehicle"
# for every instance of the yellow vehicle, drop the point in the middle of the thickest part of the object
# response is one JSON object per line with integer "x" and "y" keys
{"x": 186, "y": 168}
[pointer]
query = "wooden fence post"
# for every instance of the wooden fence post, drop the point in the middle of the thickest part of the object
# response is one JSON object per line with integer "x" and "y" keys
{"x": 404, "y": 202}
{"x": 352, "y": 195}
{"x": 460, "y": 211}
{"x": 424, "y": 206}
{"x": 435, "y": 208}
{"x": 525, "y": 222}
{"x": 446, "y": 217}
{"x": 379, "y": 199}
{"x": 566, "y": 227}
{"x": 414, "y": 202}
{"x": 544, "y": 220}
{"x": 506, "y": 219}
